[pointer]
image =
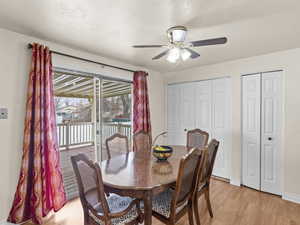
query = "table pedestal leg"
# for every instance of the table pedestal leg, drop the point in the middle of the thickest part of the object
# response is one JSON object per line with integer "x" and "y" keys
{"x": 148, "y": 207}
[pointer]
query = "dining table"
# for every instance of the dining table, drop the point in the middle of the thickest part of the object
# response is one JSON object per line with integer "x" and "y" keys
{"x": 140, "y": 175}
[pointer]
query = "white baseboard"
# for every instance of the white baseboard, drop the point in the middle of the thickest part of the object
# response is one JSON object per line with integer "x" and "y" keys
{"x": 291, "y": 197}
{"x": 235, "y": 182}
{"x": 4, "y": 222}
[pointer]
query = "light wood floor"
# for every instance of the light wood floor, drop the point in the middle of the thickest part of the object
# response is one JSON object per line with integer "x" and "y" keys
{"x": 231, "y": 206}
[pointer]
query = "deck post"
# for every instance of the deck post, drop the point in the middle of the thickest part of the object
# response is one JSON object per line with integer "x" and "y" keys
{"x": 67, "y": 135}
{"x": 119, "y": 128}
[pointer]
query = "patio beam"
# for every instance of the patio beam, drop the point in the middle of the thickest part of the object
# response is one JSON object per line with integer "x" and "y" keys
{"x": 83, "y": 83}
{"x": 72, "y": 95}
{"x": 68, "y": 83}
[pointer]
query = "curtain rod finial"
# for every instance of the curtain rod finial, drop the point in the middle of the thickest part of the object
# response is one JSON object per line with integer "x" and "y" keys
{"x": 29, "y": 46}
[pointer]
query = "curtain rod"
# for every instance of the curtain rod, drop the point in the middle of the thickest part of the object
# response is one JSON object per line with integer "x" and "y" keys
{"x": 86, "y": 60}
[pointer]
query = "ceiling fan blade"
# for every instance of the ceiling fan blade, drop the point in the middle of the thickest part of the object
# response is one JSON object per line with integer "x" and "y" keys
{"x": 161, "y": 54}
{"x": 147, "y": 46}
{"x": 214, "y": 41}
{"x": 194, "y": 54}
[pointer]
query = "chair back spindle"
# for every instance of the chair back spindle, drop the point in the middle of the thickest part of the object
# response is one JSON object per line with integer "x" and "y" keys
{"x": 213, "y": 147}
{"x": 116, "y": 144}
{"x": 90, "y": 185}
{"x": 142, "y": 142}
{"x": 190, "y": 167}
{"x": 197, "y": 138}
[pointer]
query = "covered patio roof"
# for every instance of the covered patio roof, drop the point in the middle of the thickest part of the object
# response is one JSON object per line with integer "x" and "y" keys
{"x": 68, "y": 85}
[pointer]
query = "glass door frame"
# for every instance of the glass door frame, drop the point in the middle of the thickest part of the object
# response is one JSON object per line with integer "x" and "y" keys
{"x": 98, "y": 80}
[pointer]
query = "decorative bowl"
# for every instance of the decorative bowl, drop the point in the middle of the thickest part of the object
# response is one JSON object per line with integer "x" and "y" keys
{"x": 162, "y": 152}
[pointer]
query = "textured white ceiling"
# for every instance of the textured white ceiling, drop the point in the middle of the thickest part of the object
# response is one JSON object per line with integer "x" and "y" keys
{"x": 110, "y": 27}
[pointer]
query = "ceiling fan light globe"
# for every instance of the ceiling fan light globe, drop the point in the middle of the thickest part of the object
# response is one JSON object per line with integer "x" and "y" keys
{"x": 173, "y": 55}
{"x": 185, "y": 54}
{"x": 171, "y": 60}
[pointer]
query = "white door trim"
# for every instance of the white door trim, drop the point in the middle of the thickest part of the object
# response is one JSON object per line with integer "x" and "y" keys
{"x": 282, "y": 156}
{"x": 195, "y": 81}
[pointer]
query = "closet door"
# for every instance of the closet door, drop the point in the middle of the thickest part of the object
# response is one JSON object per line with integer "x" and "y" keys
{"x": 221, "y": 124}
{"x": 203, "y": 105}
{"x": 251, "y": 130}
{"x": 262, "y": 113}
{"x": 271, "y": 132}
{"x": 181, "y": 112}
{"x": 188, "y": 110}
{"x": 174, "y": 115}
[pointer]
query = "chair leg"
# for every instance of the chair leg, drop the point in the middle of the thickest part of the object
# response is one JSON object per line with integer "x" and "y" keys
{"x": 140, "y": 213}
{"x": 190, "y": 212}
{"x": 207, "y": 198}
{"x": 196, "y": 210}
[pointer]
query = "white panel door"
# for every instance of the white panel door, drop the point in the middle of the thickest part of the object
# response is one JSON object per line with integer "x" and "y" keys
{"x": 174, "y": 115}
{"x": 251, "y": 130}
{"x": 203, "y": 105}
{"x": 271, "y": 132}
{"x": 181, "y": 112}
{"x": 221, "y": 124}
{"x": 188, "y": 109}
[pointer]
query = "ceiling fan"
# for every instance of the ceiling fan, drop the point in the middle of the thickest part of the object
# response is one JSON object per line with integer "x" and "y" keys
{"x": 177, "y": 47}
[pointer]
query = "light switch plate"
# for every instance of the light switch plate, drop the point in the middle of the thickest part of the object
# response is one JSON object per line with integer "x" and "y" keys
{"x": 3, "y": 113}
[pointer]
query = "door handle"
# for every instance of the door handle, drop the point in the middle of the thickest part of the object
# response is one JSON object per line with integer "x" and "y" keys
{"x": 269, "y": 138}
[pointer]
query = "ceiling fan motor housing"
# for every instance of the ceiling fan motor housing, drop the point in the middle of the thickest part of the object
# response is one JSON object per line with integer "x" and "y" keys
{"x": 177, "y": 34}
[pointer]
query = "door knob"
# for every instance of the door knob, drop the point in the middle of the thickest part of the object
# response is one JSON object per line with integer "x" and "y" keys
{"x": 269, "y": 138}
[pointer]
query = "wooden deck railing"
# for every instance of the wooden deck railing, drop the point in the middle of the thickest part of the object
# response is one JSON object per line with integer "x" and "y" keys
{"x": 75, "y": 138}
{"x": 75, "y": 133}
{"x": 82, "y": 133}
{"x": 111, "y": 128}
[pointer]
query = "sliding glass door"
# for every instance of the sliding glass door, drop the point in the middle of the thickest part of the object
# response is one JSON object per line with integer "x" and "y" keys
{"x": 97, "y": 118}
{"x": 116, "y": 112}
{"x": 89, "y": 109}
{"x": 74, "y": 103}
{"x": 111, "y": 113}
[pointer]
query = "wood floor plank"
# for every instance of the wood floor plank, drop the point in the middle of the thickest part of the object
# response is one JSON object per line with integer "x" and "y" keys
{"x": 231, "y": 205}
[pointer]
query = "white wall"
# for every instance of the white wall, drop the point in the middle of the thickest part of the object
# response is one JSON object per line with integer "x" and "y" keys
{"x": 14, "y": 68}
{"x": 289, "y": 61}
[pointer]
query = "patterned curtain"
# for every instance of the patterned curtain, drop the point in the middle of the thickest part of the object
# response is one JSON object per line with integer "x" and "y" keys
{"x": 40, "y": 187}
{"x": 141, "y": 111}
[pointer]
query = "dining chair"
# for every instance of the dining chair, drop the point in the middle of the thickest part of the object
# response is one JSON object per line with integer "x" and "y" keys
{"x": 203, "y": 186}
{"x": 142, "y": 141}
{"x": 170, "y": 205}
{"x": 197, "y": 138}
{"x": 117, "y": 143}
{"x": 97, "y": 208}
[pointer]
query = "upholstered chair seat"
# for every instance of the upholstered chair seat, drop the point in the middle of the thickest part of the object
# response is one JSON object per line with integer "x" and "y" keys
{"x": 116, "y": 204}
{"x": 162, "y": 203}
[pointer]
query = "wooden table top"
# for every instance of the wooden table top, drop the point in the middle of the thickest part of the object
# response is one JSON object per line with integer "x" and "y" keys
{"x": 132, "y": 171}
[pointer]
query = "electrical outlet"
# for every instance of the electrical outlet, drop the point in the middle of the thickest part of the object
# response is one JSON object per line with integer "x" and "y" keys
{"x": 3, "y": 113}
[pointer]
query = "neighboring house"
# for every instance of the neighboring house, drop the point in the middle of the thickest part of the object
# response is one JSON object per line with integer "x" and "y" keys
{"x": 74, "y": 113}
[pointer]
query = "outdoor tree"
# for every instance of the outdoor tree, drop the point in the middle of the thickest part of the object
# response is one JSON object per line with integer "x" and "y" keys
{"x": 126, "y": 102}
